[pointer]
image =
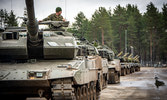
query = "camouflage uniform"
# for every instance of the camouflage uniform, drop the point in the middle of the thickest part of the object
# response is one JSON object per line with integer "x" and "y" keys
{"x": 54, "y": 17}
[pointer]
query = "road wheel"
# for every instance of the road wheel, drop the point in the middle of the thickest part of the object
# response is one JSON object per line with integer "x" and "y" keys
{"x": 117, "y": 76}
{"x": 94, "y": 92}
{"x": 91, "y": 93}
{"x": 104, "y": 81}
{"x": 100, "y": 84}
{"x": 78, "y": 94}
{"x": 123, "y": 71}
{"x": 88, "y": 93}
{"x": 138, "y": 68}
{"x": 131, "y": 69}
{"x": 82, "y": 93}
{"x": 111, "y": 75}
{"x": 127, "y": 71}
{"x": 118, "y": 80}
{"x": 85, "y": 93}
{"x": 114, "y": 78}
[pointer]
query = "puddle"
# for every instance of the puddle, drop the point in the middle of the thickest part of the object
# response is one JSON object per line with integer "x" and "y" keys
{"x": 141, "y": 84}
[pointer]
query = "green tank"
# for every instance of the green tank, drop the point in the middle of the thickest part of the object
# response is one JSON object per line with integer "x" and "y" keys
{"x": 128, "y": 63}
{"x": 43, "y": 64}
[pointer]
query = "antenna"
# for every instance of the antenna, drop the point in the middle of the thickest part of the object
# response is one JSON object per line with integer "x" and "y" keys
{"x": 65, "y": 8}
{"x": 11, "y": 5}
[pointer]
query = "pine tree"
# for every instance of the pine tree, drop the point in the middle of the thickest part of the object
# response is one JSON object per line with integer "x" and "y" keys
{"x": 101, "y": 26}
{"x": 12, "y": 21}
{"x": 80, "y": 26}
{"x": 152, "y": 26}
{"x": 163, "y": 41}
{"x": 119, "y": 25}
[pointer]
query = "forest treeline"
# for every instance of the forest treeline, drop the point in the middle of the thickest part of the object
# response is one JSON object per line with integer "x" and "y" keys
{"x": 146, "y": 32}
{"x": 7, "y": 18}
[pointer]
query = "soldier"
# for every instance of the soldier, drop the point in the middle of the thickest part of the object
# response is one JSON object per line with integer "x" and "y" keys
{"x": 55, "y": 16}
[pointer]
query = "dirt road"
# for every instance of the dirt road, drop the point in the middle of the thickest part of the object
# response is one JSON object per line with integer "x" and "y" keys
{"x": 139, "y": 86}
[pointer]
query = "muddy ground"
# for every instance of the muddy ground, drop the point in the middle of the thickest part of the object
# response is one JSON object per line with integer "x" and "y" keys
{"x": 139, "y": 86}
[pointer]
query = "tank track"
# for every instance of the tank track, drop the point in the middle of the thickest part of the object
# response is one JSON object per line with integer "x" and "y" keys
{"x": 64, "y": 89}
{"x": 114, "y": 76}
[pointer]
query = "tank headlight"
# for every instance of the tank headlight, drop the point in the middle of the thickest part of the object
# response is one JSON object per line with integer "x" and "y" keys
{"x": 31, "y": 78}
{"x": 31, "y": 75}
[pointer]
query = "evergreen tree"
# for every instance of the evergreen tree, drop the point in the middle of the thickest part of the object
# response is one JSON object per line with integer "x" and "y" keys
{"x": 152, "y": 26}
{"x": 80, "y": 26}
{"x": 8, "y": 18}
{"x": 119, "y": 25}
{"x": 163, "y": 41}
{"x": 12, "y": 21}
{"x": 101, "y": 26}
{"x": 147, "y": 33}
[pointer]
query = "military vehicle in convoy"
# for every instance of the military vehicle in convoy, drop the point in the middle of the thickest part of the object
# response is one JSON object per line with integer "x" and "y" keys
{"x": 87, "y": 49}
{"x": 44, "y": 63}
{"x": 129, "y": 64}
{"x": 136, "y": 62}
{"x": 113, "y": 64}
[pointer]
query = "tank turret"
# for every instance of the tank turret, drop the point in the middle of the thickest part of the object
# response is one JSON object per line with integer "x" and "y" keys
{"x": 136, "y": 59}
{"x": 129, "y": 58}
{"x": 60, "y": 45}
{"x": 123, "y": 58}
{"x": 15, "y": 47}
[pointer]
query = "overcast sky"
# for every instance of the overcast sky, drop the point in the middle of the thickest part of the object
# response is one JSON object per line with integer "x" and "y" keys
{"x": 72, "y": 7}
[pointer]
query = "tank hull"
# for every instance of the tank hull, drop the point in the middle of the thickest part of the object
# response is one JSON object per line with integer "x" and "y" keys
{"x": 59, "y": 76}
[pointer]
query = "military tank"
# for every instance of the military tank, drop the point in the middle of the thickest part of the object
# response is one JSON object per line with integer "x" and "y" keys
{"x": 136, "y": 62}
{"x": 89, "y": 50}
{"x": 45, "y": 66}
{"x": 113, "y": 64}
{"x": 129, "y": 64}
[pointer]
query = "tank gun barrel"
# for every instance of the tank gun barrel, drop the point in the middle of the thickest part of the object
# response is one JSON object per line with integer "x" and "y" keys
{"x": 130, "y": 56}
{"x": 125, "y": 54}
{"x": 135, "y": 57}
{"x": 32, "y": 24}
{"x": 120, "y": 54}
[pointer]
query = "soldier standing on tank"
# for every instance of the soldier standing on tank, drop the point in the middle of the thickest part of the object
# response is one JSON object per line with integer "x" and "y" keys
{"x": 55, "y": 16}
